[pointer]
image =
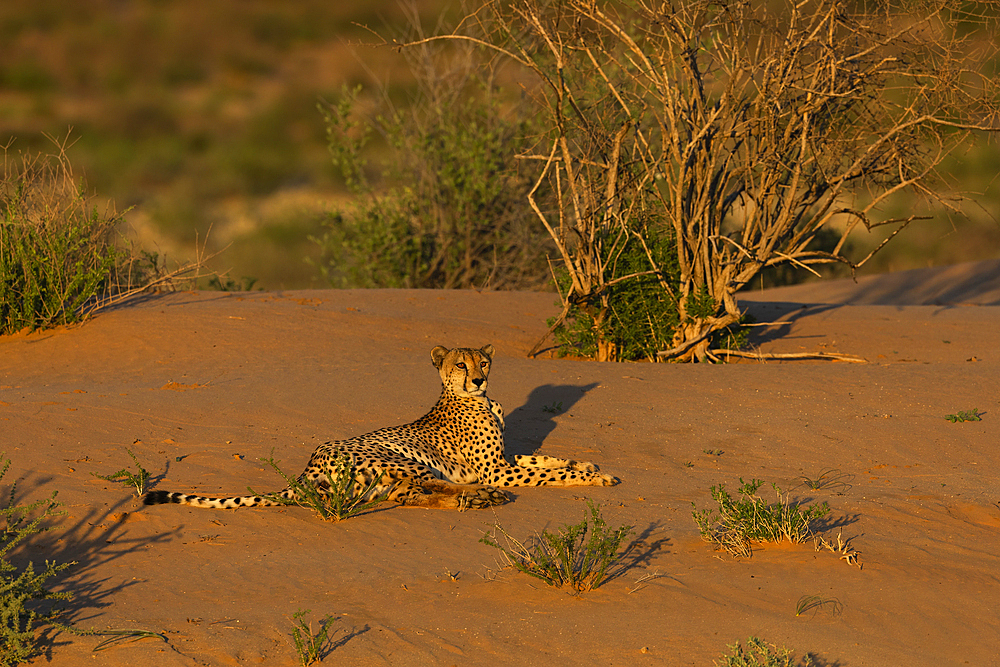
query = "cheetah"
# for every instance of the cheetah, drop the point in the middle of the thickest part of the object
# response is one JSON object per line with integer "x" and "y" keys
{"x": 452, "y": 457}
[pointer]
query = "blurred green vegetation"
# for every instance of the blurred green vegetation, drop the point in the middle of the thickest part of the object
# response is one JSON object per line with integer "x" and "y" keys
{"x": 441, "y": 201}
{"x": 201, "y": 116}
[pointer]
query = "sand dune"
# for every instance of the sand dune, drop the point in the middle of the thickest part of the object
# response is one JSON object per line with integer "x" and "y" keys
{"x": 971, "y": 283}
{"x": 201, "y": 385}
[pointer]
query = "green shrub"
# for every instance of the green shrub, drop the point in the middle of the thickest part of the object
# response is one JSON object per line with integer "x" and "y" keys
{"x": 439, "y": 196}
{"x": 60, "y": 257}
{"x": 749, "y": 518}
{"x": 568, "y": 556}
{"x": 21, "y": 586}
{"x": 965, "y": 416}
{"x": 760, "y": 654}
{"x": 57, "y": 251}
{"x": 641, "y": 317}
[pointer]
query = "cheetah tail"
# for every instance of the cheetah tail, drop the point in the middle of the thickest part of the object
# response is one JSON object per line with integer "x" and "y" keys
{"x": 164, "y": 497}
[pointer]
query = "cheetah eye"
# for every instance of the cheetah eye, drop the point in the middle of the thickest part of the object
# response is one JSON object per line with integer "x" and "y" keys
{"x": 483, "y": 364}
{"x": 461, "y": 365}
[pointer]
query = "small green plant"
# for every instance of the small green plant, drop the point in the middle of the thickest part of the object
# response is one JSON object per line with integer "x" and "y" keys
{"x": 341, "y": 497}
{"x": 713, "y": 452}
{"x": 227, "y": 284}
{"x": 22, "y": 585}
{"x": 127, "y": 477}
{"x": 578, "y": 556}
{"x": 749, "y": 518}
{"x": 814, "y": 603}
{"x": 966, "y": 416}
{"x": 759, "y": 654}
{"x": 309, "y": 646}
{"x": 830, "y": 479}
{"x": 554, "y": 408}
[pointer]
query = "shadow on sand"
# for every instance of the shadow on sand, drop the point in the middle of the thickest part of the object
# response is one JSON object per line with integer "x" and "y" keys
{"x": 529, "y": 425}
{"x": 90, "y": 541}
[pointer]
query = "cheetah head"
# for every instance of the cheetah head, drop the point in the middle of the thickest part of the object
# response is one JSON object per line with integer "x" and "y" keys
{"x": 463, "y": 370}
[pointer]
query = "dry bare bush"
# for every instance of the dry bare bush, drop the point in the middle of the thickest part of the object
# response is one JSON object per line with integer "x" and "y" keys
{"x": 743, "y": 129}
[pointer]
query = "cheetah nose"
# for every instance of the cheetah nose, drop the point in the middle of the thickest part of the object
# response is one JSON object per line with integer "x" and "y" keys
{"x": 478, "y": 382}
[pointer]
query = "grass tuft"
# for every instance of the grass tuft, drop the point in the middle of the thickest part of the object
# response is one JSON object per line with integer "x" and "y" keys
{"x": 760, "y": 654}
{"x": 830, "y": 479}
{"x": 309, "y": 646}
{"x": 738, "y": 523}
{"x": 341, "y": 497}
{"x": 814, "y": 603}
{"x": 126, "y": 477}
{"x": 568, "y": 556}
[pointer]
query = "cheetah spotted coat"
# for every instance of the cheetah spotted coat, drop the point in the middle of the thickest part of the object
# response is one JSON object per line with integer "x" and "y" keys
{"x": 452, "y": 457}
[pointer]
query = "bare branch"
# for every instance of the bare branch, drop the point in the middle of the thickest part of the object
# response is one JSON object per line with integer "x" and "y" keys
{"x": 833, "y": 356}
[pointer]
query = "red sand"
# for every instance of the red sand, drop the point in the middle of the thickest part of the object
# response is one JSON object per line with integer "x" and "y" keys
{"x": 219, "y": 380}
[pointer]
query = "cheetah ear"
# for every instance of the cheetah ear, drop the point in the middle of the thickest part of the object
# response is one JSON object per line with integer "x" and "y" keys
{"x": 488, "y": 350}
{"x": 437, "y": 356}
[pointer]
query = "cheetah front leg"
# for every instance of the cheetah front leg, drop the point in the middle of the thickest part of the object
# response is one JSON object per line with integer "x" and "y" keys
{"x": 507, "y": 476}
{"x": 552, "y": 462}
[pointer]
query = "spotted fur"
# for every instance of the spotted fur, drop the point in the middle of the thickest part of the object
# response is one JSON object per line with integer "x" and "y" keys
{"x": 451, "y": 457}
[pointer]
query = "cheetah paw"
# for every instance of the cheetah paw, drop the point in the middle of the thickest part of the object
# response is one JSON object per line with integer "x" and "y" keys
{"x": 582, "y": 466}
{"x": 482, "y": 497}
{"x": 608, "y": 480}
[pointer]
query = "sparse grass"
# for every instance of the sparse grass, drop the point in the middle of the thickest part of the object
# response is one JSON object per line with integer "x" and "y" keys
{"x": 578, "y": 556}
{"x": 342, "y": 497}
{"x": 18, "y": 585}
{"x": 114, "y": 637}
{"x": 965, "y": 416}
{"x": 830, "y": 479}
{"x": 644, "y": 580}
{"x": 713, "y": 452}
{"x": 126, "y": 477}
{"x": 309, "y": 646}
{"x": 760, "y": 654}
{"x": 748, "y": 519}
{"x": 554, "y": 408}
{"x": 814, "y": 603}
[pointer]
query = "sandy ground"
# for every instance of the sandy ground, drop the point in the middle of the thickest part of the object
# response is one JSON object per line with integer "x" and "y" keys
{"x": 200, "y": 386}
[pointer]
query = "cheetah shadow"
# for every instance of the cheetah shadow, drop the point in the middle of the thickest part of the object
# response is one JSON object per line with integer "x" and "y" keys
{"x": 529, "y": 425}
